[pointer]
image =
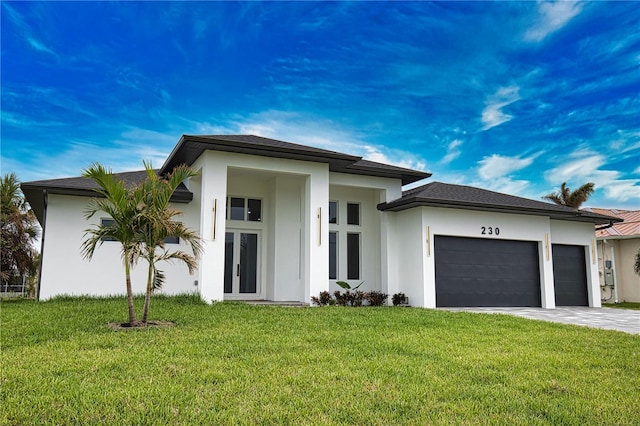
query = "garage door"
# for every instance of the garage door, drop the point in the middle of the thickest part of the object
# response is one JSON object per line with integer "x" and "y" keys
{"x": 479, "y": 272}
{"x": 570, "y": 275}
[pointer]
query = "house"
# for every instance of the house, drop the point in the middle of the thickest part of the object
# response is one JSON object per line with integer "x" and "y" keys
{"x": 282, "y": 222}
{"x": 617, "y": 247}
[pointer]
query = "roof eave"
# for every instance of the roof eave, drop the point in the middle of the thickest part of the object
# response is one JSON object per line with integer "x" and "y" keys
{"x": 408, "y": 203}
{"x": 333, "y": 158}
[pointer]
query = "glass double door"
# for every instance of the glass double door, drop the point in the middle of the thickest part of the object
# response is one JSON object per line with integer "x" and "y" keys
{"x": 241, "y": 263}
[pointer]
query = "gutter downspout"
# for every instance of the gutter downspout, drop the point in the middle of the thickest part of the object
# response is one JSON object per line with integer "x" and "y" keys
{"x": 605, "y": 226}
{"x": 615, "y": 277}
{"x": 45, "y": 197}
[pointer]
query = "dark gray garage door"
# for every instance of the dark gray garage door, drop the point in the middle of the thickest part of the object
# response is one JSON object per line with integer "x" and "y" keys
{"x": 570, "y": 275}
{"x": 479, "y": 272}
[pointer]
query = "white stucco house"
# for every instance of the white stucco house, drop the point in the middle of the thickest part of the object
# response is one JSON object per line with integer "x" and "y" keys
{"x": 282, "y": 222}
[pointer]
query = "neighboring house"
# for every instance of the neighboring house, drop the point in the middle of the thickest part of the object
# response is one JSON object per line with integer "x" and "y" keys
{"x": 617, "y": 248}
{"x": 283, "y": 222}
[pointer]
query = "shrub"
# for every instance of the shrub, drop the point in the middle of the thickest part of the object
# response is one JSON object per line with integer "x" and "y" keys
{"x": 399, "y": 299}
{"x": 376, "y": 298}
{"x": 323, "y": 300}
{"x": 341, "y": 298}
{"x": 355, "y": 298}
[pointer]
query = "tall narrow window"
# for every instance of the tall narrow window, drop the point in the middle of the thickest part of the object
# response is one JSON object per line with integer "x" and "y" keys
{"x": 353, "y": 214}
{"x": 333, "y": 255}
{"x": 353, "y": 256}
{"x": 254, "y": 210}
{"x": 333, "y": 212}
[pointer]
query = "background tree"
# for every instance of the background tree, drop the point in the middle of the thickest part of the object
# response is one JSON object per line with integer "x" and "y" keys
{"x": 566, "y": 197}
{"x": 158, "y": 225}
{"x": 636, "y": 265}
{"x": 19, "y": 230}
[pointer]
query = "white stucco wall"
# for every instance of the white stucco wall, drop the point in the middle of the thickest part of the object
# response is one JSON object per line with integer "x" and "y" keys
{"x": 65, "y": 271}
{"x": 411, "y": 258}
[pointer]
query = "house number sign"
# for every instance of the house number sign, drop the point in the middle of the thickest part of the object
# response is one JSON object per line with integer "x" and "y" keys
{"x": 489, "y": 230}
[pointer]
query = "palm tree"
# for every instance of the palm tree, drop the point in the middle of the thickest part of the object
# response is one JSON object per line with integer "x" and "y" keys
{"x": 122, "y": 204}
{"x": 566, "y": 197}
{"x": 18, "y": 231}
{"x": 158, "y": 224}
{"x": 142, "y": 221}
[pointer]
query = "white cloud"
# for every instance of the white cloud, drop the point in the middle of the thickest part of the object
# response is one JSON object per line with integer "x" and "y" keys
{"x": 586, "y": 166}
{"x": 452, "y": 151}
{"x": 499, "y": 166}
{"x": 492, "y": 115}
{"x": 375, "y": 154}
{"x": 551, "y": 17}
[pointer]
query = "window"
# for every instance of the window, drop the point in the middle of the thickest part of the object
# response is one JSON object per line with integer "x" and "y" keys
{"x": 333, "y": 255}
{"x": 353, "y": 256}
{"x": 107, "y": 222}
{"x": 333, "y": 212}
{"x": 254, "y": 210}
{"x": 172, "y": 240}
{"x": 245, "y": 209}
{"x": 237, "y": 209}
{"x": 353, "y": 214}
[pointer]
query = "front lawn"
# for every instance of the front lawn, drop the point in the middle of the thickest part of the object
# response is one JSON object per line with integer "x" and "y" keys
{"x": 240, "y": 364}
{"x": 623, "y": 305}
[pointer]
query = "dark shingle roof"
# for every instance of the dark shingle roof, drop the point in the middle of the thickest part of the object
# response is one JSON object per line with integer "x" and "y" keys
{"x": 34, "y": 190}
{"x": 190, "y": 147}
{"x": 438, "y": 194}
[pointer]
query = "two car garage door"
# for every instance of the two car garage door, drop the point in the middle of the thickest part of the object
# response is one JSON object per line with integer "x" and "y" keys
{"x": 486, "y": 272}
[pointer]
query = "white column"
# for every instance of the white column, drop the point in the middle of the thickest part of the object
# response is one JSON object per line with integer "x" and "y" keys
{"x": 316, "y": 235}
{"x": 593, "y": 279}
{"x": 212, "y": 227}
{"x": 547, "y": 284}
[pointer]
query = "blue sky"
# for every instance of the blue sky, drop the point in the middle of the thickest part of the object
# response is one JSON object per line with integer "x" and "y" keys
{"x": 516, "y": 97}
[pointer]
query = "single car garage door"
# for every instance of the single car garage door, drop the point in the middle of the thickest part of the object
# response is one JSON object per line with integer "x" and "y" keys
{"x": 570, "y": 275}
{"x": 481, "y": 272}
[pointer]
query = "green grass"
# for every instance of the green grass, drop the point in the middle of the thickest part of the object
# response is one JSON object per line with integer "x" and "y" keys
{"x": 240, "y": 364}
{"x": 623, "y": 305}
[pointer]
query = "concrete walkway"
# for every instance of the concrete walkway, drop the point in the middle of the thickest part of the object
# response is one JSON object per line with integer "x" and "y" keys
{"x": 625, "y": 320}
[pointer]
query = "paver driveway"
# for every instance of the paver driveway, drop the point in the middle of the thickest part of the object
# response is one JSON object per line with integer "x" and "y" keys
{"x": 626, "y": 320}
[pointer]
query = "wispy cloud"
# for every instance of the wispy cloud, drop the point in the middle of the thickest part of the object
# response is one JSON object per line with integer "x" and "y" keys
{"x": 551, "y": 17}
{"x": 453, "y": 151}
{"x": 497, "y": 166}
{"x": 39, "y": 46}
{"x": 26, "y": 31}
{"x": 492, "y": 115}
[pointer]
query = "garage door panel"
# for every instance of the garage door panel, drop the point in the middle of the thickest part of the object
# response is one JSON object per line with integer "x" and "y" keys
{"x": 570, "y": 275}
{"x": 480, "y": 272}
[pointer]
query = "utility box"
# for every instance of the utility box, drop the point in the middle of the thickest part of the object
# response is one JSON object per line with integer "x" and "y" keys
{"x": 608, "y": 277}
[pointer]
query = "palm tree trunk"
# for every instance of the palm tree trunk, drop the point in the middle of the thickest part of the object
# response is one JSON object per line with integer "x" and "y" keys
{"x": 132, "y": 313}
{"x": 147, "y": 296}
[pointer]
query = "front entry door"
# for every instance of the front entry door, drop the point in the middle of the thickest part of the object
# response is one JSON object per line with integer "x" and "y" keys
{"x": 241, "y": 264}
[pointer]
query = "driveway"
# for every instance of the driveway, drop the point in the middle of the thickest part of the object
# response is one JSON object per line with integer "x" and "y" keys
{"x": 625, "y": 320}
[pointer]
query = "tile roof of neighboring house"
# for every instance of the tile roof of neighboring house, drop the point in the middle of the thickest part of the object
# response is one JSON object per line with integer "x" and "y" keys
{"x": 629, "y": 228}
{"x": 35, "y": 191}
{"x": 438, "y": 194}
{"x": 190, "y": 147}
